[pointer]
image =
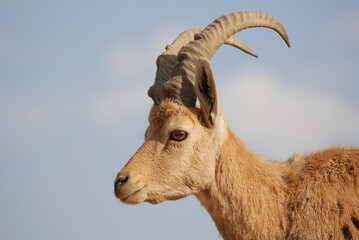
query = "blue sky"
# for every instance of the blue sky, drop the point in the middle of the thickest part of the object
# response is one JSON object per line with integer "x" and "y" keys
{"x": 73, "y": 104}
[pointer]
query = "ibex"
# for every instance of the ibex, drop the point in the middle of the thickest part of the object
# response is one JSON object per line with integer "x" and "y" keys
{"x": 189, "y": 149}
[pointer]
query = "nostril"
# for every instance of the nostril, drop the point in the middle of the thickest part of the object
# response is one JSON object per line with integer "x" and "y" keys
{"x": 120, "y": 181}
{"x": 123, "y": 180}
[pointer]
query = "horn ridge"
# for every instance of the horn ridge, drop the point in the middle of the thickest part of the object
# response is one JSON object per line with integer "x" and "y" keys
{"x": 166, "y": 62}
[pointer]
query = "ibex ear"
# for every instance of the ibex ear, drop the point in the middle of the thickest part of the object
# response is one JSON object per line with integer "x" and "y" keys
{"x": 206, "y": 91}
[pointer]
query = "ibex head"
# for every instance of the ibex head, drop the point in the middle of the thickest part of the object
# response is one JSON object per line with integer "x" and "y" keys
{"x": 183, "y": 141}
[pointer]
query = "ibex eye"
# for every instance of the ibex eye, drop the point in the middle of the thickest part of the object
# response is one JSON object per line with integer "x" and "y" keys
{"x": 178, "y": 135}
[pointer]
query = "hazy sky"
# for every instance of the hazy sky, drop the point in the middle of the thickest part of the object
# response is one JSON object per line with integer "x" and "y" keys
{"x": 73, "y": 104}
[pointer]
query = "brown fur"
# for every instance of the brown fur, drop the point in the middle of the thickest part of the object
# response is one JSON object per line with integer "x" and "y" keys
{"x": 325, "y": 195}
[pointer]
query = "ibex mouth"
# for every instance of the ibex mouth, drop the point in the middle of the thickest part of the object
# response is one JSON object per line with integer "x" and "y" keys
{"x": 130, "y": 196}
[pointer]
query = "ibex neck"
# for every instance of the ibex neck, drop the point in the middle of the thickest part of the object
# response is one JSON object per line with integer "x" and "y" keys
{"x": 247, "y": 200}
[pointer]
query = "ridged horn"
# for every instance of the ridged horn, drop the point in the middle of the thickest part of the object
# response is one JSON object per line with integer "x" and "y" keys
{"x": 181, "y": 86}
{"x": 167, "y": 60}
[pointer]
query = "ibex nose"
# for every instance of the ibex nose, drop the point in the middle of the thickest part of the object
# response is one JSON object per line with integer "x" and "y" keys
{"x": 121, "y": 180}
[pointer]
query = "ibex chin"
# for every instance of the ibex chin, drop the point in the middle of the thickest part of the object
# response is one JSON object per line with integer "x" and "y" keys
{"x": 189, "y": 149}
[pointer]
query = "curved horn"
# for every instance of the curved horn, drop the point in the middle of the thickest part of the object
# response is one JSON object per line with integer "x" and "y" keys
{"x": 167, "y": 60}
{"x": 206, "y": 43}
